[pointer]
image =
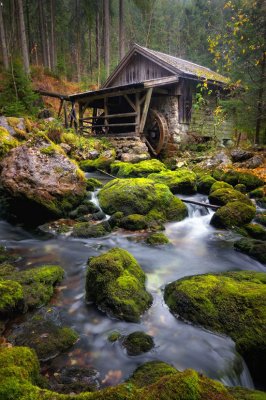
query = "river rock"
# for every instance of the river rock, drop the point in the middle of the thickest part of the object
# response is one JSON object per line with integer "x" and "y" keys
{"x": 137, "y": 343}
{"x": 255, "y": 162}
{"x": 254, "y": 248}
{"x": 180, "y": 181}
{"x": 232, "y": 303}
{"x": 116, "y": 283}
{"x": 20, "y": 374}
{"x": 233, "y": 214}
{"x": 140, "y": 169}
{"x": 44, "y": 336}
{"x": 141, "y": 196}
{"x": 77, "y": 379}
{"x": 41, "y": 179}
{"x": 225, "y": 195}
{"x": 239, "y": 155}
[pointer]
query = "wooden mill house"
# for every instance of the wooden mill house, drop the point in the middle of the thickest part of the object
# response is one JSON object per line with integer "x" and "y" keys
{"x": 150, "y": 95}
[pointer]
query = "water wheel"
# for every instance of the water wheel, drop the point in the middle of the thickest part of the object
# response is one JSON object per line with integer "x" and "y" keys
{"x": 156, "y": 132}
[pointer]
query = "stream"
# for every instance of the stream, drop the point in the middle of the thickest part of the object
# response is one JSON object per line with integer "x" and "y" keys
{"x": 197, "y": 248}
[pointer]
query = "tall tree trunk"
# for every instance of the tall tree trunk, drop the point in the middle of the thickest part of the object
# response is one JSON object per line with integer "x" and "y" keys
{"x": 52, "y": 42}
{"x": 121, "y": 29}
{"x": 260, "y": 100}
{"x": 97, "y": 43}
{"x": 78, "y": 40}
{"x": 25, "y": 52}
{"x": 3, "y": 40}
{"x": 106, "y": 37}
{"x": 42, "y": 32}
{"x": 47, "y": 44}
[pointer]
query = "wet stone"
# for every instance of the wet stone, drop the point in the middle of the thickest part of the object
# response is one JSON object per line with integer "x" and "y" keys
{"x": 77, "y": 379}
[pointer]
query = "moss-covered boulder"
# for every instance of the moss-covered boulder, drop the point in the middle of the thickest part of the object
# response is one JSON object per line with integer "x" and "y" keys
{"x": 233, "y": 303}
{"x": 19, "y": 376}
{"x": 36, "y": 285}
{"x": 138, "y": 170}
{"x": 141, "y": 196}
{"x": 220, "y": 185}
{"x": 44, "y": 336}
{"x": 88, "y": 229}
{"x": 205, "y": 183}
{"x": 92, "y": 184}
{"x": 137, "y": 343}
{"x": 254, "y": 248}
{"x": 7, "y": 142}
{"x": 134, "y": 222}
{"x": 256, "y": 231}
{"x": 223, "y": 196}
{"x": 105, "y": 159}
{"x": 41, "y": 180}
{"x": 157, "y": 239}
{"x": 249, "y": 180}
{"x": 233, "y": 214}
{"x": 179, "y": 181}
{"x": 241, "y": 188}
{"x": 261, "y": 218}
{"x": 116, "y": 283}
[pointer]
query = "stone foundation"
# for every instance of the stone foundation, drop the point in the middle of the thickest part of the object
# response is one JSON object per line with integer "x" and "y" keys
{"x": 129, "y": 149}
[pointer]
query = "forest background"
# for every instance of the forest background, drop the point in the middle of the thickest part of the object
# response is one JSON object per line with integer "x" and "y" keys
{"x": 83, "y": 40}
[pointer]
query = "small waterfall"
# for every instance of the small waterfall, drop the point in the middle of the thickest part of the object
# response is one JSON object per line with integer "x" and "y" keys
{"x": 95, "y": 200}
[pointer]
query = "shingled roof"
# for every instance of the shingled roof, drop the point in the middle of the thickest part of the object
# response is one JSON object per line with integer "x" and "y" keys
{"x": 174, "y": 64}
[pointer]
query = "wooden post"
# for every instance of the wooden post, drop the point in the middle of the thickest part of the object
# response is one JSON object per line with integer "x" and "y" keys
{"x": 105, "y": 113}
{"x": 60, "y": 107}
{"x": 81, "y": 112}
{"x": 145, "y": 110}
{"x": 65, "y": 113}
{"x": 138, "y": 115}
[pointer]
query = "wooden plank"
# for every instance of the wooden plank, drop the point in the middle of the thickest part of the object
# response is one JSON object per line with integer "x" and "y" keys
{"x": 105, "y": 111}
{"x": 130, "y": 102}
{"x": 145, "y": 110}
{"x": 53, "y": 94}
{"x": 108, "y": 125}
{"x": 65, "y": 113}
{"x": 132, "y": 114}
{"x": 161, "y": 81}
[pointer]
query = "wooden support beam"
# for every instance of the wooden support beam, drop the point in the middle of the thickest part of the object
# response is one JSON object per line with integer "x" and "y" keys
{"x": 138, "y": 114}
{"x": 133, "y": 114}
{"x": 145, "y": 110}
{"x": 65, "y": 114}
{"x": 130, "y": 102}
{"x": 60, "y": 107}
{"x": 81, "y": 113}
{"x": 107, "y": 125}
{"x": 105, "y": 111}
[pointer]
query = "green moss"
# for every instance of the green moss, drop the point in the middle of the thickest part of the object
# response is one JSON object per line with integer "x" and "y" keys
{"x": 150, "y": 373}
{"x": 141, "y": 196}
{"x": 114, "y": 336}
{"x": 37, "y": 283}
{"x": 179, "y": 181}
{"x": 141, "y": 169}
{"x": 257, "y": 193}
{"x": 116, "y": 283}
{"x": 249, "y": 180}
{"x": 46, "y": 338}
{"x": 7, "y": 142}
{"x": 254, "y": 248}
{"x": 232, "y": 303}
{"x": 223, "y": 196}
{"x": 261, "y": 218}
{"x": 241, "y": 188}
{"x": 134, "y": 222}
{"x": 156, "y": 239}
{"x": 137, "y": 343}
{"x": 205, "y": 183}
{"x": 11, "y": 294}
{"x": 220, "y": 185}
{"x": 51, "y": 149}
{"x": 233, "y": 214}
{"x": 92, "y": 184}
{"x": 104, "y": 161}
{"x": 153, "y": 380}
{"x": 87, "y": 229}
{"x": 256, "y": 231}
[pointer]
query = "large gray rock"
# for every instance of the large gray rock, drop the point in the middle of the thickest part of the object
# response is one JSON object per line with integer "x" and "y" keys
{"x": 39, "y": 176}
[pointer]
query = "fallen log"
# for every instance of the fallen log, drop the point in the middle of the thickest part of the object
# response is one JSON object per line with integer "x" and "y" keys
{"x": 198, "y": 203}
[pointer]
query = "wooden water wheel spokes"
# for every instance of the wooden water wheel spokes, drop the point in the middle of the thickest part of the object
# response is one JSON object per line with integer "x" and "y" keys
{"x": 156, "y": 131}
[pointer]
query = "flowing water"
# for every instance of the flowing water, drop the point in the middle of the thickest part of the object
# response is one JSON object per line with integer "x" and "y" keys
{"x": 197, "y": 248}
